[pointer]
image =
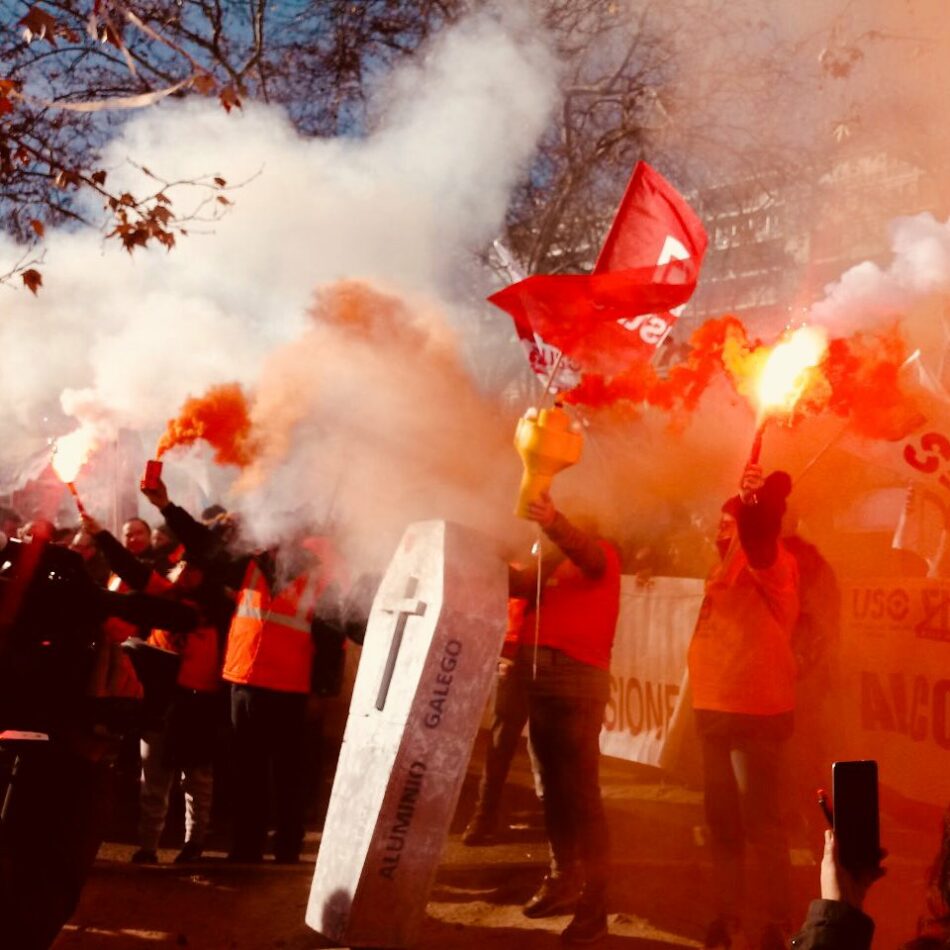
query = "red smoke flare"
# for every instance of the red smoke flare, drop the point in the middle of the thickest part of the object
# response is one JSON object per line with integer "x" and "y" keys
{"x": 684, "y": 383}
{"x": 859, "y": 378}
{"x": 220, "y": 418}
{"x": 863, "y": 372}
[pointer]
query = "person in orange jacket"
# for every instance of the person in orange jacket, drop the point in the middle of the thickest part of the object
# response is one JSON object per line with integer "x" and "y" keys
{"x": 742, "y": 674}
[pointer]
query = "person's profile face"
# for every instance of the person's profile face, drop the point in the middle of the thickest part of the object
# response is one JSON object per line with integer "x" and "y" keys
{"x": 160, "y": 539}
{"x": 726, "y": 531}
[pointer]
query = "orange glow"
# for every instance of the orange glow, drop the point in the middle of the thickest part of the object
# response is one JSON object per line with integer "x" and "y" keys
{"x": 220, "y": 418}
{"x": 788, "y": 369}
{"x": 70, "y": 453}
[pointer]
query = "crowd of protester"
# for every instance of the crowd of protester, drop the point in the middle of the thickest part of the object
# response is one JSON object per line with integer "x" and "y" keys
{"x": 221, "y": 699}
{"x": 212, "y": 694}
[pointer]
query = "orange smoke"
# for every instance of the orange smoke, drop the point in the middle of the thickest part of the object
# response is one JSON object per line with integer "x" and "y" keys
{"x": 363, "y": 314}
{"x": 858, "y": 378}
{"x": 220, "y": 417}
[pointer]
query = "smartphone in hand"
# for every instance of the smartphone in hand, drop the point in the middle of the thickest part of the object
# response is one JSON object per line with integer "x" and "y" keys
{"x": 856, "y": 824}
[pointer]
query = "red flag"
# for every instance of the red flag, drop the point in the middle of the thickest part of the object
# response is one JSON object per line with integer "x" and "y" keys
{"x": 556, "y": 371}
{"x": 648, "y": 267}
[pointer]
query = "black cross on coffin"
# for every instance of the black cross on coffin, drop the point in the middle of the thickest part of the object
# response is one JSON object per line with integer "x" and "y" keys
{"x": 403, "y": 609}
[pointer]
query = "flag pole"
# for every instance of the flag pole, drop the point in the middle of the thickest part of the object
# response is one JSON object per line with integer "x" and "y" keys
{"x": 550, "y": 383}
{"x": 822, "y": 451}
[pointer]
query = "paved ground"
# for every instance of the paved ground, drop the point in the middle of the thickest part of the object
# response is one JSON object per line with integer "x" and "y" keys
{"x": 659, "y": 891}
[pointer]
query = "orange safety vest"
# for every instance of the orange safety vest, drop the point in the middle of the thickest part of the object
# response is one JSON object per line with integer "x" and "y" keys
{"x": 198, "y": 648}
{"x": 740, "y": 656}
{"x": 269, "y": 642}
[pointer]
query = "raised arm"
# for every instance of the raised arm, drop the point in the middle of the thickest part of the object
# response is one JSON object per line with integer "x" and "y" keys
{"x": 577, "y": 545}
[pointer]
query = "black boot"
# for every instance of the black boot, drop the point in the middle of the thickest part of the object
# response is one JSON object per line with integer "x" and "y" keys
{"x": 590, "y": 918}
{"x": 482, "y": 829}
{"x": 557, "y": 894}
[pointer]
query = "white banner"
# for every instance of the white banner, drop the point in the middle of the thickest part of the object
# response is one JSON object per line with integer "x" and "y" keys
{"x": 895, "y": 683}
{"x": 886, "y": 696}
{"x": 647, "y": 706}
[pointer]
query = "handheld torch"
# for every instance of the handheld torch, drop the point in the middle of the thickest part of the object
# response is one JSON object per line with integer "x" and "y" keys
{"x": 547, "y": 443}
{"x": 79, "y": 505}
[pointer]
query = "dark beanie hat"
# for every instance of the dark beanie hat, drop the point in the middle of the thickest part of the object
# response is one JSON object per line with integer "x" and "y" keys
{"x": 777, "y": 488}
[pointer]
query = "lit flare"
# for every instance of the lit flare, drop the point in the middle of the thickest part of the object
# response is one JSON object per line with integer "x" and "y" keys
{"x": 70, "y": 453}
{"x": 788, "y": 370}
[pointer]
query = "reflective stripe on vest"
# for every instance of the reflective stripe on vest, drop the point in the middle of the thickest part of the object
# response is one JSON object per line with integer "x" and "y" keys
{"x": 269, "y": 643}
{"x": 251, "y": 593}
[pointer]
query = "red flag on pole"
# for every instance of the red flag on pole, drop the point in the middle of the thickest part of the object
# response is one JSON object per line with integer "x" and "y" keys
{"x": 647, "y": 268}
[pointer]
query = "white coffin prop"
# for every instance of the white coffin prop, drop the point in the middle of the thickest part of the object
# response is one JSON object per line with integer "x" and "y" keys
{"x": 428, "y": 662}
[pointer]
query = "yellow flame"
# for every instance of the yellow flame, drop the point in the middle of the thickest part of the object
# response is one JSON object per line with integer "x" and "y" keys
{"x": 70, "y": 453}
{"x": 785, "y": 373}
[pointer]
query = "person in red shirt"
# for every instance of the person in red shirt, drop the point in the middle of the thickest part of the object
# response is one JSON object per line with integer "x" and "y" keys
{"x": 563, "y": 661}
{"x": 742, "y": 674}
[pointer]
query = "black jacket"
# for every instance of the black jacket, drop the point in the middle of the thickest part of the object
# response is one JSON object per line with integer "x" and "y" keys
{"x": 834, "y": 925}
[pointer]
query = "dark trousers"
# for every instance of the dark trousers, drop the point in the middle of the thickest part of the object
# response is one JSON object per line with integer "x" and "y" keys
{"x": 565, "y": 711}
{"x": 268, "y": 738}
{"x": 742, "y": 778}
{"x": 509, "y": 716}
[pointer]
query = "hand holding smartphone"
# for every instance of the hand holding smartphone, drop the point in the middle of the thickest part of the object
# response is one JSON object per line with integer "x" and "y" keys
{"x": 856, "y": 821}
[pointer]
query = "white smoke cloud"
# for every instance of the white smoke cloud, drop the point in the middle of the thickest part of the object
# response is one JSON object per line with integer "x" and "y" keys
{"x": 121, "y": 341}
{"x": 867, "y": 294}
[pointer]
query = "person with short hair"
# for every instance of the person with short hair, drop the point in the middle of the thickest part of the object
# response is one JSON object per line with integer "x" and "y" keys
{"x": 137, "y": 537}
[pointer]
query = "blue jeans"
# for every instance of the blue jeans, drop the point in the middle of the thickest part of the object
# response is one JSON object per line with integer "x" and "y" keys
{"x": 565, "y": 712}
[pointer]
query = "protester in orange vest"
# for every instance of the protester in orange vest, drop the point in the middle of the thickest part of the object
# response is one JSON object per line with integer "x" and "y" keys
{"x": 563, "y": 662}
{"x": 281, "y": 611}
{"x": 742, "y": 675}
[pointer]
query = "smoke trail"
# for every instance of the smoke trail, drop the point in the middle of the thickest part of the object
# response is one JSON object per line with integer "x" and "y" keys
{"x": 868, "y": 294}
{"x": 120, "y": 342}
{"x": 220, "y": 418}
